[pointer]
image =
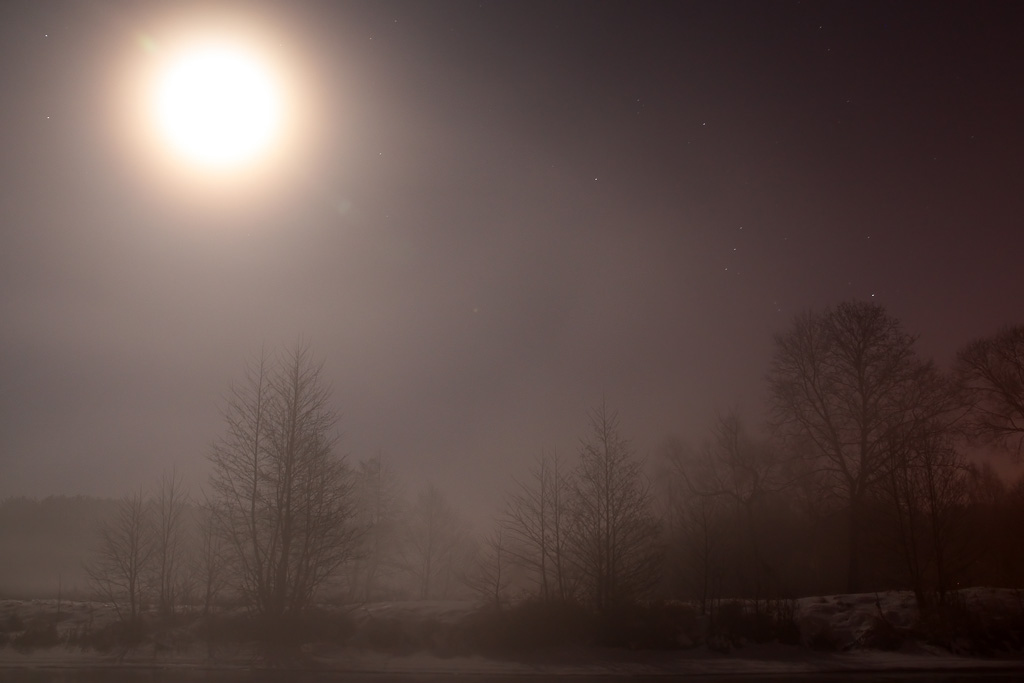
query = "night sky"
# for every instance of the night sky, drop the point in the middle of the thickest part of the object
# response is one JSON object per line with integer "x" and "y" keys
{"x": 495, "y": 215}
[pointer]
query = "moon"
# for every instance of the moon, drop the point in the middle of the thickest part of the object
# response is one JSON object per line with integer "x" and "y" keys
{"x": 218, "y": 105}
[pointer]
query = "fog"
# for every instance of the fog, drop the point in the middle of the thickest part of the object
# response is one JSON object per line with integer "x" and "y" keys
{"x": 502, "y": 236}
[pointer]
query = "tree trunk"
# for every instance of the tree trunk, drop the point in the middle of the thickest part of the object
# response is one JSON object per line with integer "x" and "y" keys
{"x": 853, "y": 578}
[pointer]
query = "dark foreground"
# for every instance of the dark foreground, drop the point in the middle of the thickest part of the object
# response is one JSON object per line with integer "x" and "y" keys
{"x": 133, "y": 675}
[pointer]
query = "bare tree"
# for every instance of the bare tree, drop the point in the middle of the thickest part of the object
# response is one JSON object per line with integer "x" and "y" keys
{"x": 615, "y": 536}
{"x": 928, "y": 487}
{"x": 436, "y": 541}
{"x": 487, "y": 574}
{"x": 282, "y": 499}
{"x": 169, "y": 542}
{"x": 122, "y": 560}
{"x": 738, "y": 469}
{"x": 991, "y": 371}
{"x": 210, "y": 559}
{"x": 694, "y": 528}
{"x": 847, "y": 381}
{"x": 536, "y": 519}
{"x": 378, "y": 512}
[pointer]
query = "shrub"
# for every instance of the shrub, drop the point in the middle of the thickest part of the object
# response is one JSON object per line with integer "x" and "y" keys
{"x": 41, "y": 635}
{"x": 652, "y": 626}
{"x": 385, "y": 634}
{"x": 223, "y": 628}
{"x": 785, "y": 628}
{"x": 952, "y": 624}
{"x": 882, "y": 635}
{"x": 129, "y": 634}
{"x": 771, "y": 620}
{"x": 825, "y": 640}
{"x": 13, "y": 623}
{"x": 287, "y": 631}
{"x": 529, "y": 626}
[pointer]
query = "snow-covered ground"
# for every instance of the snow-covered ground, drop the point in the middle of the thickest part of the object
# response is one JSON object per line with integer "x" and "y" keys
{"x": 858, "y": 621}
{"x": 847, "y": 621}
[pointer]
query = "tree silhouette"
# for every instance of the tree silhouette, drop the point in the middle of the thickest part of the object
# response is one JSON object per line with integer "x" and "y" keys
{"x": 991, "y": 372}
{"x": 378, "y": 511}
{"x": 927, "y": 488}
{"x": 848, "y": 382}
{"x": 435, "y": 545}
{"x": 169, "y": 540}
{"x": 615, "y": 536}
{"x": 123, "y": 558}
{"x": 741, "y": 472}
{"x": 488, "y": 573}
{"x": 281, "y": 498}
{"x": 536, "y": 518}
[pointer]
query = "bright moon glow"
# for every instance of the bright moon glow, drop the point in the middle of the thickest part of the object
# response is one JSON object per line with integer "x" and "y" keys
{"x": 218, "y": 106}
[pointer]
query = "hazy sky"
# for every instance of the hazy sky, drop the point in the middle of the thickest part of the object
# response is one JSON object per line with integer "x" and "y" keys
{"x": 501, "y": 213}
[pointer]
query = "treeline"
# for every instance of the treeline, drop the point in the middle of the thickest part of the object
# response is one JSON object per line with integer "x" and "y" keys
{"x": 166, "y": 551}
{"x": 859, "y": 482}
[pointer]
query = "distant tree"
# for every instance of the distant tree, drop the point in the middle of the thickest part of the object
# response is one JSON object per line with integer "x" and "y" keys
{"x": 210, "y": 559}
{"x": 991, "y": 371}
{"x": 536, "y": 519}
{"x": 694, "y": 529}
{"x": 123, "y": 558}
{"x": 436, "y": 542}
{"x": 487, "y": 574}
{"x": 847, "y": 382}
{"x": 169, "y": 540}
{"x": 987, "y": 488}
{"x": 282, "y": 499}
{"x": 615, "y": 539}
{"x": 378, "y": 513}
{"x": 43, "y": 540}
{"x": 1011, "y": 529}
{"x": 996, "y": 519}
{"x": 741, "y": 472}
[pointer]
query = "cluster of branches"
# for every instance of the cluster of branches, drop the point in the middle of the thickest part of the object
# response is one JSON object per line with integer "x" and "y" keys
{"x": 281, "y": 500}
{"x": 716, "y": 501}
{"x": 587, "y": 534}
{"x": 418, "y": 549}
{"x": 990, "y": 372}
{"x": 156, "y": 550}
